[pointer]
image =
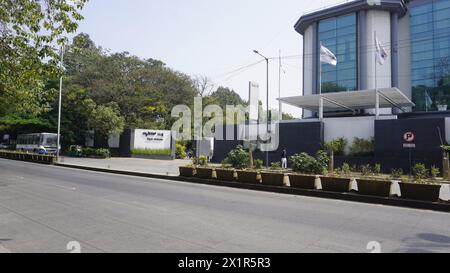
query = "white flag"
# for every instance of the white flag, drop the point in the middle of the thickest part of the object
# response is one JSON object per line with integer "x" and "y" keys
{"x": 326, "y": 56}
{"x": 381, "y": 54}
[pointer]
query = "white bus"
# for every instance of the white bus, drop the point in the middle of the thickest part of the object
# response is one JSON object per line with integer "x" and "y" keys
{"x": 42, "y": 143}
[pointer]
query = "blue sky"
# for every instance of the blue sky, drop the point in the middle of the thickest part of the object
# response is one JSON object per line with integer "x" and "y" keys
{"x": 208, "y": 37}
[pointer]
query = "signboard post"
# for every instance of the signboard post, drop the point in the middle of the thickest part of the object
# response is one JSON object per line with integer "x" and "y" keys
{"x": 409, "y": 138}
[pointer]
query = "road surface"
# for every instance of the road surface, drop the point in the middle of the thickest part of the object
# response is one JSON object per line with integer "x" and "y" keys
{"x": 43, "y": 208}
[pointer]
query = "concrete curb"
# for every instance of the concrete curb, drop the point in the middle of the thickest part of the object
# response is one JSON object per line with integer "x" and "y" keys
{"x": 398, "y": 202}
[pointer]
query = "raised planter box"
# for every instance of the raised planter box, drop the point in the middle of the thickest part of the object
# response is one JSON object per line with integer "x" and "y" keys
{"x": 187, "y": 171}
{"x": 374, "y": 187}
{"x": 422, "y": 192}
{"x": 248, "y": 177}
{"x": 335, "y": 184}
{"x": 273, "y": 179}
{"x": 302, "y": 181}
{"x": 225, "y": 174}
{"x": 205, "y": 173}
{"x": 37, "y": 158}
{"x": 154, "y": 157}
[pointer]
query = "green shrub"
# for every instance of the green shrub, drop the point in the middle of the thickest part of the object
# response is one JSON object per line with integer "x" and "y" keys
{"x": 91, "y": 152}
{"x": 305, "y": 163}
{"x": 275, "y": 166}
{"x": 377, "y": 169}
{"x": 420, "y": 171}
{"x": 238, "y": 157}
{"x": 258, "y": 164}
{"x": 203, "y": 161}
{"x": 337, "y": 146}
{"x": 396, "y": 173}
{"x": 151, "y": 152}
{"x": 362, "y": 147}
{"x": 346, "y": 169}
{"x": 435, "y": 172}
{"x": 103, "y": 153}
{"x": 180, "y": 151}
{"x": 366, "y": 170}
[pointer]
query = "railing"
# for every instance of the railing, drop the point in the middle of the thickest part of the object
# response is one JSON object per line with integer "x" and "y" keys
{"x": 30, "y": 157}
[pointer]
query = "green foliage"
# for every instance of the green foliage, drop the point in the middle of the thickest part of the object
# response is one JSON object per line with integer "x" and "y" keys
{"x": 435, "y": 172}
{"x": 275, "y": 166}
{"x": 337, "y": 146}
{"x": 151, "y": 152}
{"x": 258, "y": 164}
{"x": 377, "y": 169}
{"x": 396, "y": 173}
{"x": 106, "y": 120}
{"x": 91, "y": 152}
{"x": 180, "y": 150}
{"x": 420, "y": 171}
{"x": 203, "y": 161}
{"x": 366, "y": 170}
{"x": 29, "y": 32}
{"x": 345, "y": 169}
{"x": 362, "y": 147}
{"x": 238, "y": 157}
{"x": 305, "y": 163}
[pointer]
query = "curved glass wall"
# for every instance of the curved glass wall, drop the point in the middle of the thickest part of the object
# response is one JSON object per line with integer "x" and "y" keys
{"x": 339, "y": 34}
{"x": 430, "y": 55}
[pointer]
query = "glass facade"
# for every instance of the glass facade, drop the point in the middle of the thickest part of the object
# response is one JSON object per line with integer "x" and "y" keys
{"x": 339, "y": 35}
{"x": 430, "y": 54}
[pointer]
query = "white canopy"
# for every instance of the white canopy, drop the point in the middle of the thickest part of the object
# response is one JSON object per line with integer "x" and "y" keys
{"x": 351, "y": 100}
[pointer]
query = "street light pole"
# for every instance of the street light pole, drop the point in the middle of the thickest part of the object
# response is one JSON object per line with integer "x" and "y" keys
{"x": 58, "y": 142}
{"x": 267, "y": 100}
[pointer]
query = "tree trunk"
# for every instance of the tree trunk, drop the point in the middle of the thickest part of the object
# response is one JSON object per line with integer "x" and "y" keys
{"x": 445, "y": 166}
{"x": 331, "y": 163}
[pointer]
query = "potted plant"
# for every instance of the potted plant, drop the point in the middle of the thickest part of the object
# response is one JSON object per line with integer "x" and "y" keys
{"x": 420, "y": 190}
{"x": 373, "y": 187}
{"x": 302, "y": 181}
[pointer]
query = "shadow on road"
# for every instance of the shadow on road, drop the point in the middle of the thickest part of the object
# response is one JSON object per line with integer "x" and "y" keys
{"x": 426, "y": 243}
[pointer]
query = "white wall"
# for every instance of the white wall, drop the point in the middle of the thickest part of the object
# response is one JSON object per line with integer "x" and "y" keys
{"x": 378, "y": 22}
{"x": 151, "y": 139}
{"x": 350, "y": 127}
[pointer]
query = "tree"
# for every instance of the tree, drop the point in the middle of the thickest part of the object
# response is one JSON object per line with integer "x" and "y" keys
{"x": 29, "y": 30}
{"x": 203, "y": 85}
{"x": 106, "y": 121}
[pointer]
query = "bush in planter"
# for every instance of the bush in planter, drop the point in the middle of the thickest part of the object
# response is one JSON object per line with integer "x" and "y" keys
{"x": 420, "y": 172}
{"x": 305, "y": 163}
{"x": 374, "y": 187}
{"x": 366, "y": 170}
{"x": 396, "y": 173}
{"x": 203, "y": 161}
{"x": 258, "y": 164}
{"x": 238, "y": 157}
{"x": 346, "y": 170}
{"x": 435, "y": 172}
{"x": 419, "y": 191}
{"x": 275, "y": 166}
{"x": 377, "y": 169}
{"x": 103, "y": 153}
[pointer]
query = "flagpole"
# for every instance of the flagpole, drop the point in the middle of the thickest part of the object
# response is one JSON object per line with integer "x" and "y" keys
{"x": 377, "y": 97}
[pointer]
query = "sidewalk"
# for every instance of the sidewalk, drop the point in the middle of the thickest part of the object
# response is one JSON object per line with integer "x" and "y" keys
{"x": 161, "y": 167}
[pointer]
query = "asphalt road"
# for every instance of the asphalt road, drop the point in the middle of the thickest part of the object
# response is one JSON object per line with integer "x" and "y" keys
{"x": 43, "y": 208}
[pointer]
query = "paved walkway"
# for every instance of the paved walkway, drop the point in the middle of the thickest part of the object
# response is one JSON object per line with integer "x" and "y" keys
{"x": 164, "y": 167}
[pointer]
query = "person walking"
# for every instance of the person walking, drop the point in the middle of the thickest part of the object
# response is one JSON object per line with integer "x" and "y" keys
{"x": 284, "y": 160}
